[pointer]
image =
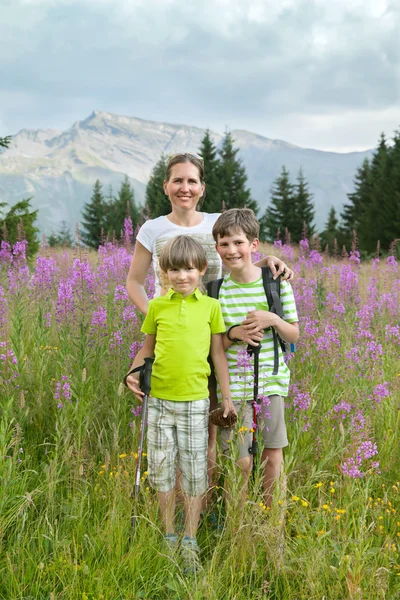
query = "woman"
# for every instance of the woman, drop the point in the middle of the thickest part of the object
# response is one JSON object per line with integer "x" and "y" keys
{"x": 184, "y": 185}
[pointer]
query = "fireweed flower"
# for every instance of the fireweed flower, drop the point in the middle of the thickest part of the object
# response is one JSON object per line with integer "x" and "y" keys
{"x": 99, "y": 318}
{"x": 18, "y": 271}
{"x": 391, "y": 264}
{"x": 359, "y": 464}
{"x": 332, "y": 303}
{"x": 380, "y": 392}
{"x": 82, "y": 277}
{"x": 63, "y": 390}
{"x": 3, "y": 307}
{"x": 65, "y": 301}
{"x": 244, "y": 360}
{"x": 44, "y": 278}
{"x": 136, "y": 410}
{"x": 355, "y": 257}
{"x": 129, "y": 315}
{"x": 8, "y": 362}
{"x": 134, "y": 349}
{"x": 128, "y": 230}
{"x": 349, "y": 284}
{"x": 392, "y": 332}
{"x": 304, "y": 246}
{"x": 116, "y": 341}
{"x": 330, "y": 338}
{"x": 120, "y": 293}
{"x": 6, "y": 256}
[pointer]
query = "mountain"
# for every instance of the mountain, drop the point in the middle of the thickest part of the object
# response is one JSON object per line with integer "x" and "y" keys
{"x": 58, "y": 168}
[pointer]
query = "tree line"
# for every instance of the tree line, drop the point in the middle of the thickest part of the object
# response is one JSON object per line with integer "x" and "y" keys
{"x": 226, "y": 187}
{"x": 371, "y": 214}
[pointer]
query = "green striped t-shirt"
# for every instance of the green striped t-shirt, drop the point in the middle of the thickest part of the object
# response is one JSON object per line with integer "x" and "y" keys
{"x": 236, "y": 300}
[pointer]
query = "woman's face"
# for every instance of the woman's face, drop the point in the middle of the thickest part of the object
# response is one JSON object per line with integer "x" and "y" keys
{"x": 184, "y": 188}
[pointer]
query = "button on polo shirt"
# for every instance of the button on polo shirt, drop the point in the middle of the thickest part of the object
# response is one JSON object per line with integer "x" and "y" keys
{"x": 183, "y": 328}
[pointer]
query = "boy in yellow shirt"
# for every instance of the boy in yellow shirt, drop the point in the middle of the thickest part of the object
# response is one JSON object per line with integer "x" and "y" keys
{"x": 182, "y": 328}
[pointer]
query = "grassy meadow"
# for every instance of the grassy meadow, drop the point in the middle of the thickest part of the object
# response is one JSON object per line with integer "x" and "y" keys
{"x": 69, "y": 430}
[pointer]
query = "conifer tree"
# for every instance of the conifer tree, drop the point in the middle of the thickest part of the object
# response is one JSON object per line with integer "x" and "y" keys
{"x": 62, "y": 238}
{"x": 280, "y": 214}
{"x": 157, "y": 202}
{"x": 233, "y": 177}
{"x": 331, "y": 231}
{"x": 119, "y": 208}
{"x": 212, "y": 201}
{"x": 19, "y": 215}
{"x": 5, "y": 141}
{"x": 376, "y": 219}
{"x": 94, "y": 217}
{"x": 353, "y": 212}
{"x": 374, "y": 208}
{"x": 303, "y": 217}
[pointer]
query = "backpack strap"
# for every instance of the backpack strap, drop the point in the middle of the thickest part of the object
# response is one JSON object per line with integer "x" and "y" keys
{"x": 272, "y": 288}
{"x": 213, "y": 288}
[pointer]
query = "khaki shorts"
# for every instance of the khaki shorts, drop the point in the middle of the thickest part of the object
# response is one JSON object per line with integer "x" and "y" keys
{"x": 178, "y": 433}
{"x": 271, "y": 424}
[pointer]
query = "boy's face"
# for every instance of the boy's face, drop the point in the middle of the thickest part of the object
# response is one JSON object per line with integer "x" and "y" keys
{"x": 235, "y": 250}
{"x": 184, "y": 280}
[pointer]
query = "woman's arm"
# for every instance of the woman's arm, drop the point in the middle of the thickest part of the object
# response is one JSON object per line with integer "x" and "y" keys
{"x": 133, "y": 380}
{"x": 139, "y": 267}
{"x": 277, "y": 266}
{"x": 221, "y": 370}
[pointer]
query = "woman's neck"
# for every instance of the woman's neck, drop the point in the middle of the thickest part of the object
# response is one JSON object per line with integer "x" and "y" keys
{"x": 185, "y": 218}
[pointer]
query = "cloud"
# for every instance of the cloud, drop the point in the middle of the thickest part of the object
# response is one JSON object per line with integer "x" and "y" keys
{"x": 219, "y": 63}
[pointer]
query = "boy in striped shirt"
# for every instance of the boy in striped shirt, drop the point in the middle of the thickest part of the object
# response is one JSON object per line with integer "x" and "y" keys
{"x": 248, "y": 321}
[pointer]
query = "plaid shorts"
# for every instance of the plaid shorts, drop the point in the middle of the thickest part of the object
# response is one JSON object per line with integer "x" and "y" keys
{"x": 178, "y": 431}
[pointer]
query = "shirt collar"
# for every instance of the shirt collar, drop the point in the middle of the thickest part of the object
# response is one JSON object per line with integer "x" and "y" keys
{"x": 172, "y": 294}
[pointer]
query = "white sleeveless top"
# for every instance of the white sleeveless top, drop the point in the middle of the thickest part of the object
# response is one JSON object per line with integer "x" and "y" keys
{"x": 154, "y": 233}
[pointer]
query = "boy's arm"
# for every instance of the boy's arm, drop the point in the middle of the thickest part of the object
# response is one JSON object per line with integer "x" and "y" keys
{"x": 133, "y": 380}
{"x": 258, "y": 320}
{"x": 221, "y": 370}
{"x": 277, "y": 266}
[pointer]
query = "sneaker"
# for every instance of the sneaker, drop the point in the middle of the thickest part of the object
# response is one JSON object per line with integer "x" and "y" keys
{"x": 171, "y": 541}
{"x": 190, "y": 553}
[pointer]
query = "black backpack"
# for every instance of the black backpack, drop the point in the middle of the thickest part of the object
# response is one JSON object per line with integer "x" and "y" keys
{"x": 272, "y": 288}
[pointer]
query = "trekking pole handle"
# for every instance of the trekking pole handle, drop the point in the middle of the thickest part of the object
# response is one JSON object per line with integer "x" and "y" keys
{"x": 146, "y": 375}
{"x": 253, "y": 349}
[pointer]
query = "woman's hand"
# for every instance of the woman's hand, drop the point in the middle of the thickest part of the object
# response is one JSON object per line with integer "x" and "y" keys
{"x": 279, "y": 267}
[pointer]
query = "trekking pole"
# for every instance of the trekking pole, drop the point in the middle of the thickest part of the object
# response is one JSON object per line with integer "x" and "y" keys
{"x": 253, "y": 450}
{"x": 144, "y": 383}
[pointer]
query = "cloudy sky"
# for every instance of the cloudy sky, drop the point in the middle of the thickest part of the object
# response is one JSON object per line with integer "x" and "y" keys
{"x": 317, "y": 73}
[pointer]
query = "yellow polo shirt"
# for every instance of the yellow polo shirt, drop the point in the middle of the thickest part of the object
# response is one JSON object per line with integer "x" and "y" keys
{"x": 183, "y": 328}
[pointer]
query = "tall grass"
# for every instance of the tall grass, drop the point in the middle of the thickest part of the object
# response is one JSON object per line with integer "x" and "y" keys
{"x": 68, "y": 439}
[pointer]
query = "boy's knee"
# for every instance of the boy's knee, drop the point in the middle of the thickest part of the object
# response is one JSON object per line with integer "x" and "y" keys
{"x": 272, "y": 456}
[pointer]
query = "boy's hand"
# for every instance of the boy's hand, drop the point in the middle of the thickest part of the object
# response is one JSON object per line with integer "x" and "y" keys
{"x": 228, "y": 407}
{"x": 133, "y": 385}
{"x": 258, "y": 320}
{"x": 252, "y": 336}
{"x": 278, "y": 267}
